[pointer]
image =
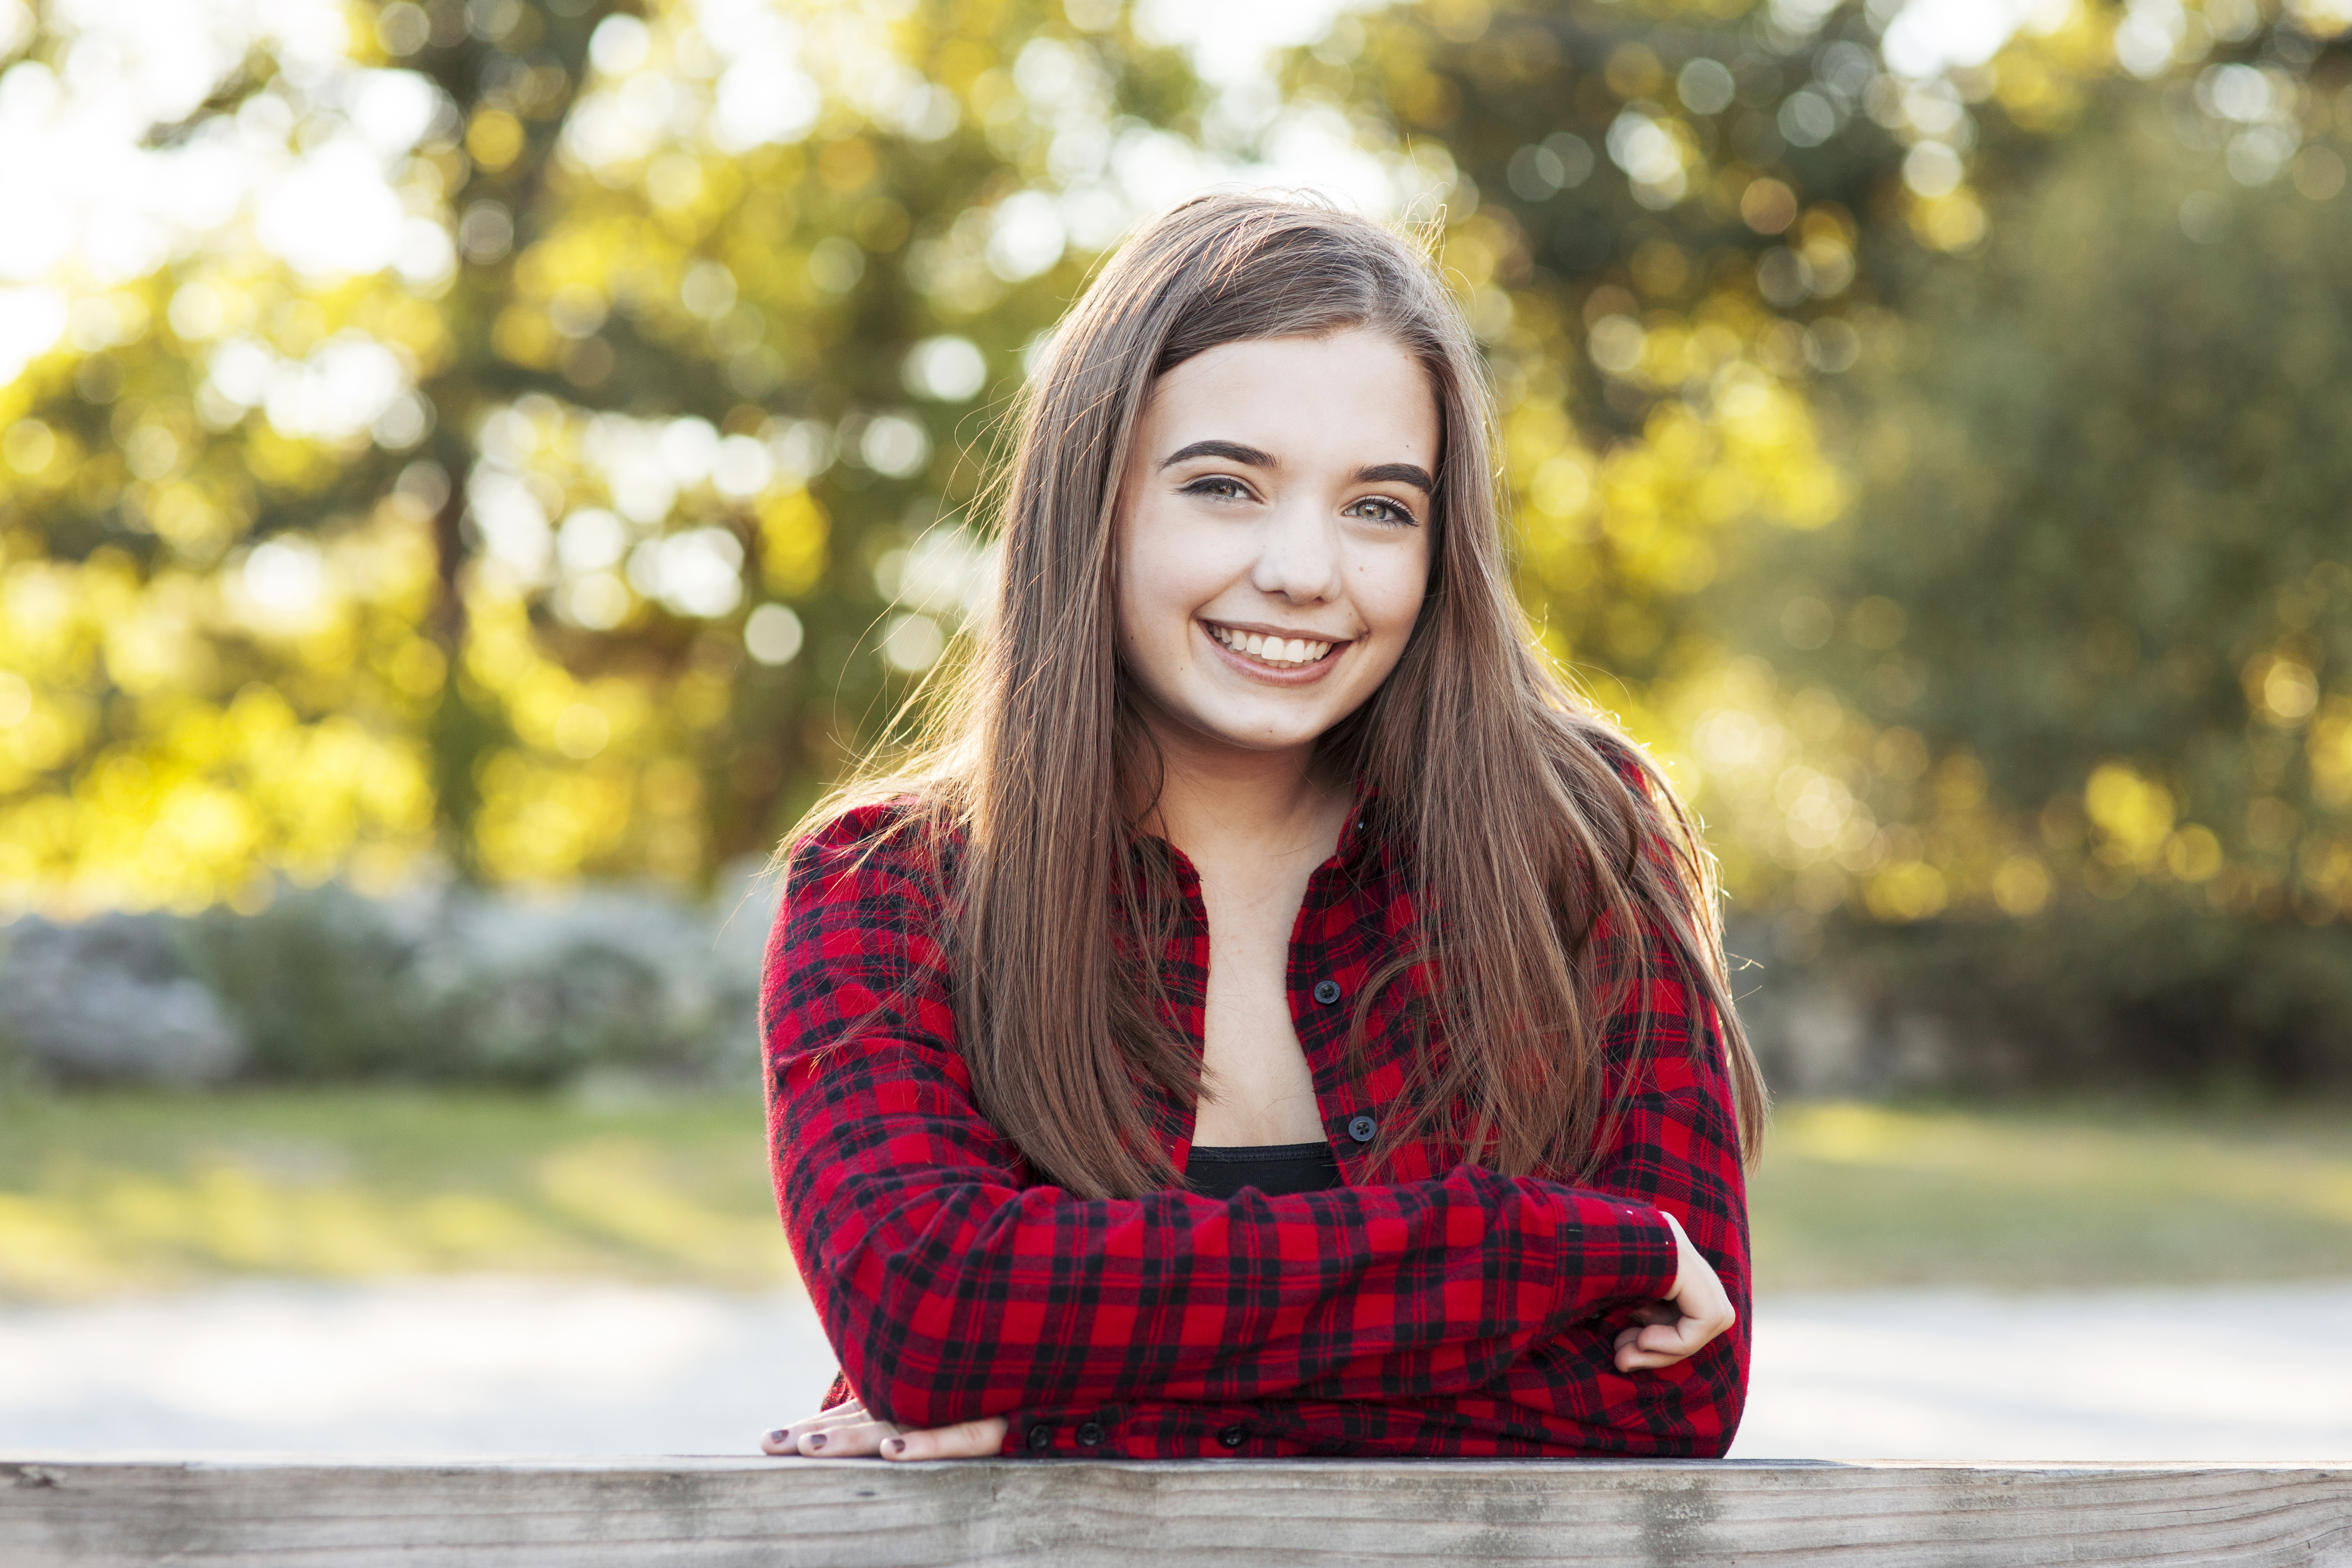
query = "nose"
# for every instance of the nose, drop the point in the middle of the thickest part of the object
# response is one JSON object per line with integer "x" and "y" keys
{"x": 1298, "y": 554}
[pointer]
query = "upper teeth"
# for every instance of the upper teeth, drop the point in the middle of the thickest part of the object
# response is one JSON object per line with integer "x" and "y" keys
{"x": 1272, "y": 650}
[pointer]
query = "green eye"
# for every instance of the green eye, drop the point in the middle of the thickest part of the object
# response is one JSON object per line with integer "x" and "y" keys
{"x": 1382, "y": 509}
{"x": 1220, "y": 489}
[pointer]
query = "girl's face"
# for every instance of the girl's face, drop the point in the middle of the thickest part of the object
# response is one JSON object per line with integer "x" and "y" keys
{"x": 1274, "y": 534}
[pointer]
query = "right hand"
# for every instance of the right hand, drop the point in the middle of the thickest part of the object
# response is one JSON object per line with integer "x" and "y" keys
{"x": 1693, "y": 1311}
{"x": 847, "y": 1432}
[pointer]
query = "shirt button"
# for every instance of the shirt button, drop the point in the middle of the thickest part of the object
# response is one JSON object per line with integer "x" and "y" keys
{"x": 1234, "y": 1436}
{"x": 1326, "y": 991}
{"x": 1091, "y": 1435}
{"x": 1040, "y": 1438}
{"x": 1362, "y": 1127}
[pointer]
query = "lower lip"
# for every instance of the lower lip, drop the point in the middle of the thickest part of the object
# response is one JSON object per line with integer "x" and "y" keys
{"x": 1281, "y": 674}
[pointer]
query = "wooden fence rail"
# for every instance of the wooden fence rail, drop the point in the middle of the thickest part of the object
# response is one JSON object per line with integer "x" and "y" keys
{"x": 293, "y": 1512}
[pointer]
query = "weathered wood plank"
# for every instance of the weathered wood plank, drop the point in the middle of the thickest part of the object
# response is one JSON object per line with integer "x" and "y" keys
{"x": 97, "y": 1513}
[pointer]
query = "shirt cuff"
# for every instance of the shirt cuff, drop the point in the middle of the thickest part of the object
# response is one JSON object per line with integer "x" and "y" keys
{"x": 1614, "y": 1250}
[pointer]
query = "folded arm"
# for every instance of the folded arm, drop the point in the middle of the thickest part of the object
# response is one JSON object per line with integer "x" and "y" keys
{"x": 1674, "y": 1147}
{"x": 952, "y": 1291}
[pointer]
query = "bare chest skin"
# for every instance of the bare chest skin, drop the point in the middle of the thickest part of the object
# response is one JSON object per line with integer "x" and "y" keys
{"x": 1258, "y": 1089}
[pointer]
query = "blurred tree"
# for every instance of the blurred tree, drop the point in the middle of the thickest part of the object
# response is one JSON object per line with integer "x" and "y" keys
{"x": 559, "y": 466}
{"x": 2096, "y": 464}
{"x": 587, "y": 521}
{"x": 2102, "y": 564}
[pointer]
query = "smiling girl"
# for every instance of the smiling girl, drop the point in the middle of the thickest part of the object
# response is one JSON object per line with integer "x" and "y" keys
{"x": 1273, "y": 1016}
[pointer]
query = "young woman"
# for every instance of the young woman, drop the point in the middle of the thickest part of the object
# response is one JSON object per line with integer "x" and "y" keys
{"x": 1272, "y": 1015}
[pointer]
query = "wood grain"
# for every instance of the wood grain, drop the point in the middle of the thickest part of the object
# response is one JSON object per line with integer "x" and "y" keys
{"x": 294, "y": 1512}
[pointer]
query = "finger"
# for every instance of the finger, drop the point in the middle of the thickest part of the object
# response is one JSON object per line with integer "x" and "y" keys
{"x": 1646, "y": 1316}
{"x": 803, "y": 1438}
{"x": 965, "y": 1440}
{"x": 786, "y": 1439}
{"x": 1636, "y": 1353}
{"x": 1706, "y": 1313}
{"x": 1679, "y": 1339}
{"x": 855, "y": 1440}
{"x": 1663, "y": 1345}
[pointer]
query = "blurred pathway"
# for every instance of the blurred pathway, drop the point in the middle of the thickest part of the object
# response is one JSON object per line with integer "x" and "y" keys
{"x": 453, "y": 1366}
{"x": 475, "y": 1365}
{"x": 2239, "y": 1373}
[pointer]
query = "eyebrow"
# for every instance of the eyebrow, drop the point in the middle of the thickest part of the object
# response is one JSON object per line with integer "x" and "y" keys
{"x": 1412, "y": 474}
{"x": 1231, "y": 451}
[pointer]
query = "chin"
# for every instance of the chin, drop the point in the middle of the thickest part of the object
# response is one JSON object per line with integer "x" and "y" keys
{"x": 1243, "y": 735}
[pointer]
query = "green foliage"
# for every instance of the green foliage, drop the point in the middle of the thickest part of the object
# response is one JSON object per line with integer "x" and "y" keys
{"x": 1943, "y": 475}
{"x": 2109, "y": 482}
{"x": 327, "y": 986}
{"x": 2106, "y": 507}
{"x": 324, "y": 984}
{"x": 682, "y": 307}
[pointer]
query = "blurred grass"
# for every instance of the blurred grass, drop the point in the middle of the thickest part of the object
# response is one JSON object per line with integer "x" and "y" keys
{"x": 2060, "y": 1196}
{"x": 104, "y": 1193}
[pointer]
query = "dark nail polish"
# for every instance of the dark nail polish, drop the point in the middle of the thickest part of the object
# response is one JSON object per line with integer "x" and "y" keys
{"x": 894, "y": 1446}
{"x": 778, "y": 1434}
{"x": 817, "y": 1441}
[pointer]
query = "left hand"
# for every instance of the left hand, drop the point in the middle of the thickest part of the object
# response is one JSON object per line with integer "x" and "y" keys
{"x": 847, "y": 1432}
{"x": 1694, "y": 1311}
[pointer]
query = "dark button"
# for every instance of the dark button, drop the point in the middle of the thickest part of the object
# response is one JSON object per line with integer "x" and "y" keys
{"x": 1040, "y": 1438}
{"x": 1234, "y": 1436}
{"x": 1326, "y": 991}
{"x": 1362, "y": 1128}
{"x": 1089, "y": 1435}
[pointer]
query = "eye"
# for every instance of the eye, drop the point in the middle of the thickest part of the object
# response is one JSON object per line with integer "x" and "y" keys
{"x": 1380, "y": 509}
{"x": 1218, "y": 486}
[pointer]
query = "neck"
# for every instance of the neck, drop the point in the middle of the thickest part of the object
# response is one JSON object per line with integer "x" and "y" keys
{"x": 1217, "y": 798}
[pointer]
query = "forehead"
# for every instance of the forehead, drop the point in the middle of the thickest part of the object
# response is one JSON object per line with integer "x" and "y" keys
{"x": 1345, "y": 394}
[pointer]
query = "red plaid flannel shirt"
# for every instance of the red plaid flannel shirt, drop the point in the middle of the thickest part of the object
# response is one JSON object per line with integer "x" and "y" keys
{"x": 1439, "y": 1309}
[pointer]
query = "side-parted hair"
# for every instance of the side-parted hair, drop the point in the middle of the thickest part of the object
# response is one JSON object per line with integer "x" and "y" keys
{"x": 1528, "y": 822}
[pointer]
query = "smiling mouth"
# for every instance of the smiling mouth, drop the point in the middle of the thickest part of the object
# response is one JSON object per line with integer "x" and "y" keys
{"x": 1275, "y": 652}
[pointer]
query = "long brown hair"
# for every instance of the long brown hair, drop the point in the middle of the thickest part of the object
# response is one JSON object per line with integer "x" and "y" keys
{"x": 1506, "y": 796}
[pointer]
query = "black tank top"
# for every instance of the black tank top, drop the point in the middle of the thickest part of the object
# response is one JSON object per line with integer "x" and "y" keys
{"x": 1273, "y": 1169}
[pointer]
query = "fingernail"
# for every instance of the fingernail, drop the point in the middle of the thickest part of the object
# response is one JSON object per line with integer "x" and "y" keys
{"x": 894, "y": 1446}
{"x": 779, "y": 1435}
{"x": 817, "y": 1441}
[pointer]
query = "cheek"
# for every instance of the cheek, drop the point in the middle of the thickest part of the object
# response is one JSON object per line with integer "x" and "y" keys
{"x": 1167, "y": 571}
{"x": 1153, "y": 611}
{"x": 1390, "y": 591}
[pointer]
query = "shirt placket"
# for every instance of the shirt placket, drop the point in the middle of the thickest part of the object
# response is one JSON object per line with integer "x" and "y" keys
{"x": 1323, "y": 974}
{"x": 1322, "y": 968}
